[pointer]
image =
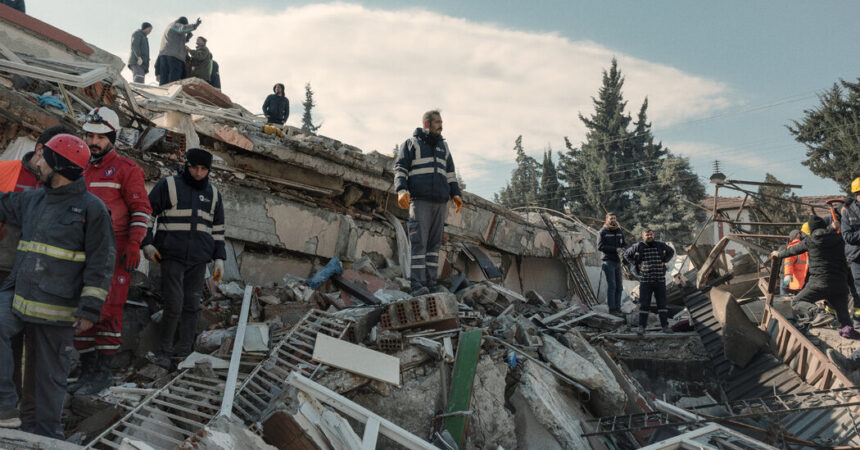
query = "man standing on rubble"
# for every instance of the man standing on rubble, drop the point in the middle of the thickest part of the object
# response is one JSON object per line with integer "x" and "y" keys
{"x": 850, "y": 225}
{"x": 189, "y": 234}
{"x": 60, "y": 279}
{"x": 647, "y": 260}
{"x": 276, "y": 108}
{"x": 120, "y": 184}
{"x": 795, "y": 268}
{"x": 201, "y": 60}
{"x": 424, "y": 178}
{"x": 172, "y": 52}
{"x": 611, "y": 243}
{"x": 138, "y": 60}
{"x": 827, "y": 274}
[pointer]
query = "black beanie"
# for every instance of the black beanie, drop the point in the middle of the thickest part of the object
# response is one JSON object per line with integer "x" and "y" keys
{"x": 199, "y": 157}
{"x": 61, "y": 165}
{"x": 816, "y": 222}
{"x": 145, "y": 25}
{"x": 51, "y": 132}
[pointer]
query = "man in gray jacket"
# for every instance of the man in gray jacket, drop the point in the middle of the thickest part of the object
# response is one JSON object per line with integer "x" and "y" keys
{"x": 138, "y": 60}
{"x": 172, "y": 53}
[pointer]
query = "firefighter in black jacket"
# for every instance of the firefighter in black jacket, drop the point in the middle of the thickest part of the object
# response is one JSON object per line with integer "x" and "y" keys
{"x": 647, "y": 260}
{"x": 189, "y": 234}
{"x": 827, "y": 275}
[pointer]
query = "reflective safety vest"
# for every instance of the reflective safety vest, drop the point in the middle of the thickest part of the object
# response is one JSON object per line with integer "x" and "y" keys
{"x": 797, "y": 267}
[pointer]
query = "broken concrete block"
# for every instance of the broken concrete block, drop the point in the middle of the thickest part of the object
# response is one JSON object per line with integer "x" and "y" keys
{"x": 228, "y": 434}
{"x": 527, "y": 333}
{"x": 531, "y": 435}
{"x": 742, "y": 339}
{"x": 491, "y": 425}
{"x": 211, "y": 340}
{"x": 571, "y": 364}
{"x": 287, "y": 313}
{"x": 554, "y": 406}
{"x": 438, "y": 311}
{"x": 282, "y": 431}
{"x": 477, "y": 294}
{"x": 609, "y": 399}
{"x": 191, "y": 360}
{"x": 387, "y": 296}
{"x": 342, "y": 381}
{"x": 535, "y": 298}
{"x": 364, "y": 320}
{"x": 389, "y": 341}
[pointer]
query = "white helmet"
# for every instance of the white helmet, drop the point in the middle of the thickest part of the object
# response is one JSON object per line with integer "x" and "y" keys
{"x": 102, "y": 120}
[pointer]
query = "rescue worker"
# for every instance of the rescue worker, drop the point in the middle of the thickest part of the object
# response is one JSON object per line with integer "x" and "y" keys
{"x": 120, "y": 184}
{"x": 425, "y": 179}
{"x": 60, "y": 279}
{"x": 850, "y": 226}
{"x": 611, "y": 243}
{"x": 138, "y": 60}
{"x": 795, "y": 268}
{"x": 827, "y": 274}
{"x": 647, "y": 260}
{"x": 21, "y": 176}
{"x": 170, "y": 64}
{"x": 276, "y": 108}
{"x": 200, "y": 60}
{"x": 189, "y": 234}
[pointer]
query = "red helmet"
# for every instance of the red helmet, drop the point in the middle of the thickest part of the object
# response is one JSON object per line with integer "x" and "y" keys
{"x": 71, "y": 148}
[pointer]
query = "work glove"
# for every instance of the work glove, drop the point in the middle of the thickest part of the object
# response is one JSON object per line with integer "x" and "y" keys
{"x": 151, "y": 253}
{"x": 139, "y": 61}
{"x": 131, "y": 256}
{"x": 458, "y": 202}
{"x": 218, "y": 270}
{"x": 774, "y": 254}
{"x": 403, "y": 200}
{"x": 786, "y": 280}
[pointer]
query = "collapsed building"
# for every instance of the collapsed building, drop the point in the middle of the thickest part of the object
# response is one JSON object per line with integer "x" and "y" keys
{"x": 312, "y": 339}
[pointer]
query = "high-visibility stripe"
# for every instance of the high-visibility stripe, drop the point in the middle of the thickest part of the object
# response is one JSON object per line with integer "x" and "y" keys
{"x": 401, "y": 171}
{"x": 141, "y": 214}
{"x": 429, "y": 159}
{"x": 52, "y": 251}
{"x": 432, "y": 253}
{"x": 218, "y": 228}
{"x": 422, "y": 171}
{"x": 107, "y": 347}
{"x": 171, "y": 191}
{"x": 204, "y": 228}
{"x": 92, "y": 291}
{"x": 419, "y": 266}
{"x": 432, "y": 264}
{"x": 218, "y": 237}
{"x": 177, "y": 212}
{"x": 105, "y": 184}
{"x": 43, "y": 310}
{"x": 214, "y": 200}
{"x": 174, "y": 227}
{"x": 204, "y": 215}
{"x": 139, "y": 224}
{"x": 452, "y": 177}
{"x": 85, "y": 339}
{"x": 417, "y": 256}
{"x": 109, "y": 334}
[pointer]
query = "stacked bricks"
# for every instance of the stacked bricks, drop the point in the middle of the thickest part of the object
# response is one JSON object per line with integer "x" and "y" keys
{"x": 427, "y": 311}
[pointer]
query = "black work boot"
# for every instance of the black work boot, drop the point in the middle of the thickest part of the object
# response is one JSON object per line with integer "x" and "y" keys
{"x": 89, "y": 367}
{"x": 102, "y": 379}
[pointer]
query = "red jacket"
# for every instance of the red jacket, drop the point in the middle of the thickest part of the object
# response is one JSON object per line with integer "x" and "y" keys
{"x": 119, "y": 183}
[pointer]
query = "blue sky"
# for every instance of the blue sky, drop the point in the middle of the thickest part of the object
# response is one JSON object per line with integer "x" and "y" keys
{"x": 723, "y": 78}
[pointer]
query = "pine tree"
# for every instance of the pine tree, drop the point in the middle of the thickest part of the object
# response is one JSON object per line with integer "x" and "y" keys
{"x": 594, "y": 183}
{"x": 551, "y": 191}
{"x": 308, "y": 104}
{"x": 668, "y": 204}
{"x": 524, "y": 186}
{"x": 771, "y": 207}
{"x": 831, "y": 133}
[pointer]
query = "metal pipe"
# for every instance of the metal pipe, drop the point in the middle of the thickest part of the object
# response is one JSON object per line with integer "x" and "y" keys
{"x": 238, "y": 343}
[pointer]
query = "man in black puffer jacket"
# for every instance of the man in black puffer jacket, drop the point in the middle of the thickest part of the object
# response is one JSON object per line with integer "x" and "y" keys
{"x": 827, "y": 275}
{"x": 276, "y": 108}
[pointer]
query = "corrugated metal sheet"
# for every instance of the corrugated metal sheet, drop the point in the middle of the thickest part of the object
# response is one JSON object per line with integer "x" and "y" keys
{"x": 766, "y": 375}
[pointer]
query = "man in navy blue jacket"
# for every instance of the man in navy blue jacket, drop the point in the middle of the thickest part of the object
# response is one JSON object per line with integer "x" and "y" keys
{"x": 424, "y": 179}
{"x": 189, "y": 234}
{"x": 647, "y": 260}
{"x": 611, "y": 243}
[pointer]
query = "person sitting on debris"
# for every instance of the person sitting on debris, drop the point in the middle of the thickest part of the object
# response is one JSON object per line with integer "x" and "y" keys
{"x": 120, "y": 184}
{"x": 200, "y": 60}
{"x": 795, "y": 268}
{"x": 425, "y": 178}
{"x": 138, "y": 60}
{"x": 826, "y": 276}
{"x": 189, "y": 234}
{"x": 59, "y": 282}
{"x": 276, "y": 108}
{"x": 611, "y": 243}
{"x": 647, "y": 260}
{"x": 171, "y": 57}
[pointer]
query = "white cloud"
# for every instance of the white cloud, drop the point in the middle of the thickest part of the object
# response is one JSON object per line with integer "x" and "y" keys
{"x": 374, "y": 73}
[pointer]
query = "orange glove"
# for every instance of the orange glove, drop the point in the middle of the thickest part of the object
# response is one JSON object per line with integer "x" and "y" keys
{"x": 218, "y": 270}
{"x": 403, "y": 200}
{"x": 458, "y": 202}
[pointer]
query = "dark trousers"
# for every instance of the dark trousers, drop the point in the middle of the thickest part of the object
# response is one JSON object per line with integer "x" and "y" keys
{"x": 170, "y": 69}
{"x": 612, "y": 270}
{"x": 834, "y": 292}
{"x": 853, "y": 281}
{"x": 658, "y": 290}
{"x": 426, "y": 224}
{"x": 51, "y": 347}
{"x": 181, "y": 289}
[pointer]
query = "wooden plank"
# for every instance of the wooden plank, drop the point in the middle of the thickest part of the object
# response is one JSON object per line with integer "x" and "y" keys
{"x": 355, "y": 290}
{"x": 357, "y": 359}
{"x": 461, "y": 384}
